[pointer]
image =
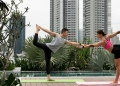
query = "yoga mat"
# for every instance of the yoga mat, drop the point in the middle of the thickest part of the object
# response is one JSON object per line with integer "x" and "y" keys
{"x": 59, "y": 80}
{"x": 97, "y": 84}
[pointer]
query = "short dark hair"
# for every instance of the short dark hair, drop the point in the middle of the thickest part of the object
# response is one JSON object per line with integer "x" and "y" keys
{"x": 101, "y": 32}
{"x": 64, "y": 29}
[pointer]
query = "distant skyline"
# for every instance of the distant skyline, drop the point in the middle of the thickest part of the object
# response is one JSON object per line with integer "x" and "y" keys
{"x": 39, "y": 13}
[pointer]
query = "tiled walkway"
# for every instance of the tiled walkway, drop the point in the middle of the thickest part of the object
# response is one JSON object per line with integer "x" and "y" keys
{"x": 86, "y": 79}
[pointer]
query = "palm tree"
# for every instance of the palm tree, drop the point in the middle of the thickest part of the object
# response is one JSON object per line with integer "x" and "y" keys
{"x": 60, "y": 58}
{"x": 11, "y": 25}
{"x": 101, "y": 60}
{"x": 97, "y": 60}
{"x": 82, "y": 60}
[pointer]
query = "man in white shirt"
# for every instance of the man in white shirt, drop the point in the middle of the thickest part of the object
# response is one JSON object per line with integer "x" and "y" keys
{"x": 53, "y": 46}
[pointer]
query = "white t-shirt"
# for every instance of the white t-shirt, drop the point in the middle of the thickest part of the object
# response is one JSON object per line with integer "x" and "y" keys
{"x": 56, "y": 43}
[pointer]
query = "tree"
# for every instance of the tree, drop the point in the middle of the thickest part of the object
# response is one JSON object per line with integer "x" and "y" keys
{"x": 101, "y": 60}
{"x": 11, "y": 26}
{"x": 84, "y": 54}
{"x": 3, "y": 6}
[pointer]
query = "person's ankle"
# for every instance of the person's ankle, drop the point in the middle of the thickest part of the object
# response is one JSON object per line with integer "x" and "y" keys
{"x": 48, "y": 75}
{"x": 36, "y": 32}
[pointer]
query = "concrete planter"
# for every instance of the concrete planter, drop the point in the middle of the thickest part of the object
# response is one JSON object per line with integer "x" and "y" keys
{"x": 16, "y": 71}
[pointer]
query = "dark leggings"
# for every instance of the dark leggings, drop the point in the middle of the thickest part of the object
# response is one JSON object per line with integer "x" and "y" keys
{"x": 46, "y": 50}
{"x": 116, "y": 51}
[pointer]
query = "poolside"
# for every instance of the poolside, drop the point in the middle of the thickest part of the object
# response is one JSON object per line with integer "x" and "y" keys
{"x": 67, "y": 73}
{"x": 86, "y": 79}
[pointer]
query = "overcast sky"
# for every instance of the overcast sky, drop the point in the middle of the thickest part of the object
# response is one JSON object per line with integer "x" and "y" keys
{"x": 39, "y": 13}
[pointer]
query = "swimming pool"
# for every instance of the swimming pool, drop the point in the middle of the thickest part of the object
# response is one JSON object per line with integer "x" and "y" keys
{"x": 66, "y": 73}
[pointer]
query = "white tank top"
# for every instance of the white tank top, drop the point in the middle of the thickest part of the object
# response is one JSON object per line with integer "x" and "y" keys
{"x": 56, "y": 43}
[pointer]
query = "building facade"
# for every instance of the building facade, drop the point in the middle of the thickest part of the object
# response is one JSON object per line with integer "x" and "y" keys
{"x": 19, "y": 44}
{"x": 96, "y": 15}
{"x": 65, "y": 14}
{"x": 80, "y": 35}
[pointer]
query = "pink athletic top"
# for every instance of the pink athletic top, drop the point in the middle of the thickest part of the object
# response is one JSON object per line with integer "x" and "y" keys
{"x": 108, "y": 44}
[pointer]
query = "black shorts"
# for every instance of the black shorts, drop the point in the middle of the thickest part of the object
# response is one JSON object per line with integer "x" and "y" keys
{"x": 116, "y": 51}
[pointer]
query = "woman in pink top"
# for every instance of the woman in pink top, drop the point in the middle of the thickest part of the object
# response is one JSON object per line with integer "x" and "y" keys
{"x": 115, "y": 49}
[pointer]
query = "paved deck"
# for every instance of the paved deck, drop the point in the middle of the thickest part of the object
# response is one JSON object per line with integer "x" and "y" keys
{"x": 86, "y": 79}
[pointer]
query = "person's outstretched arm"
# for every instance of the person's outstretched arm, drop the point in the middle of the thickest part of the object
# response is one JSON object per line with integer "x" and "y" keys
{"x": 92, "y": 45}
{"x": 48, "y": 31}
{"x": 72, "y": 43}
{"x": 114, "y": 34}
{"x": 96, "y": 44}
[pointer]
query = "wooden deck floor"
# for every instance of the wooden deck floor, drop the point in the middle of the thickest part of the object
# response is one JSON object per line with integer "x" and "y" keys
{"x": 86, "y": 79}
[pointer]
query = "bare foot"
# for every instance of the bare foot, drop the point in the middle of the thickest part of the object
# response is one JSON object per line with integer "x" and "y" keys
{"x": 50, "y": 79}
{"x": 37, "y": 28}
{"x": 114, "y": 82}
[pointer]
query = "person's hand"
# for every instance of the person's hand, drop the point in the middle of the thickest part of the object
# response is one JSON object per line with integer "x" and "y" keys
{"x": 118, "y": 32}
{"x": 79, "y": 46}
{"x": 82, "y": 46}
{"x": 86, "y": 46}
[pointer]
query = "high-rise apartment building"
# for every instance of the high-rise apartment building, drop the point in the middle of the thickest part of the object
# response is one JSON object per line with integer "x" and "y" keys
{"x": 65, "y": 13}
{"x": 19, "y": 44}
{"x": 80, "y": 36}
{"x": 96, "y": 15}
